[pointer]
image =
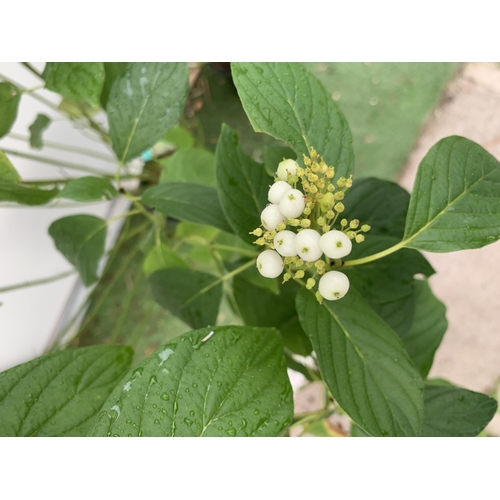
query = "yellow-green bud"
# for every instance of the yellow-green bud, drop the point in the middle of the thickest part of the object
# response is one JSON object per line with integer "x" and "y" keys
{"x": 281, "y": 226}
{"x": 310, "y": 283}
{"x": 299, "y": 274}
{"x": 327, "y": 202}
{"x": 313, "y": 189}
{"x": 319, "y": 297}
{"x": 321, "y": 221}
{"x": 319, "y": 264}
{"x": 269, "y": 235}
{"x": 348, "y": 182}
{"x": 286, "y": 277}
{"x": 323, "y": 167}
{"x": 326, "y": 228}
{"x": 330, "y": 214}
{"x": 339, "y": 195}
{"x": 339, "y": 207}
{"x": 354, "y": 224}
{"x": 330, "y": 188}
{"x": 260, "y": 241}
{"x": 299, "y": 263}
{"x": 257, "y": 232}
{"x": 343, "y": 222}
{"x": 360, "y": 238}
{"x": 305, "y": 223}
{"x": 307, "y": 211}
{"x": 365, "y": 228}
{"x": 307, "y": 161}
{"x": 294, "y": 222}
{"x": 351, "y": 234}
{"x": 330, "y": 173}
{"x": 341, "y": 182}
{"x": 309, "y": 265}
{"x": 315, "y": 167}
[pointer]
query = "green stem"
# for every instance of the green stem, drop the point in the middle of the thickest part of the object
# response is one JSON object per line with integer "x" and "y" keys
{"x": 229, "y": 248}
{"x": 32, "y": 69}
{"x": 65, "y": 181}
{"x": 33, "y": 89}
{"x": 41, "y": 281}
{"x": 375, "y": 256}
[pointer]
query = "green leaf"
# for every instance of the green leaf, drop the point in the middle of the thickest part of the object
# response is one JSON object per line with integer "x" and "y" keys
{"x": 233, "y": 384}
{"x": 162, "y": 257}
{"x": 36, "y": 130}
{"x": 189, "y": 202}
{"x": 427, "y": 329}
{"x": 60, "y": 394}
{"x": 7, "y": 171}
{"x": 80, "y": 238}
{"x": 179, "y": 137}
{"x": 82, "y": 81}
{"x": 193, "y": 296}
{"x": 10, "y": 191}
{"x": 89, "y": 189}
{"x": 273, "y": 155}
{"x": 397, "y": 313}
{"x": 455, "y": 203}
{"x": 456, "y": 412}
{"x": 242, "y": 185}
{"x": 144, "y": 103}
{"x": 287, "y": 102}
{"x": 364, "y": 364}
{"x": 112, "y": 70}
{"x": 193, "y": 165}
{"x": 9, "y": 102}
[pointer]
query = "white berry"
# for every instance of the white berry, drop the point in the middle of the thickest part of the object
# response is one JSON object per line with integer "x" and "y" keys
{"x": 292, "y": 204}
{"x": 271, "y": 217}
{"x": 333, "y": 285}
{"x": 277, "y": 191}
{"x": 269, "y": 264}
{"x": 307, "y": 245}
{"x": 284, "y": 243}
{"x": 335, "y": 244}
{"x": 286, "y": 168}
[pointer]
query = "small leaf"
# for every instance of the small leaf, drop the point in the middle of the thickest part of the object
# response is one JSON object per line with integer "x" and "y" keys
{"x": 193, "y": 296}
{"x": 88, "y": 188}
{"x": 7, "y": 171}
{"x": 363, "y": 364}
{"x": 189, "y": 202}
{"x": 144, "y": 103}
{"x": 242, "y": 185}
{"x": 80, "y": 238}
{"x": 60, "y": 394}
{"x": 455, "y": 412}
{"x": 455, "y": 203}
{"x": 36, "y": 130}
{"x": 233, "y": 384}
{"x": 193, "y": 165}
{"x": 9, "y": 102}
{"x": 427, "y": 329}
{"x": 10, "y": 191}
{"x": 82, "y": 81}
{"x": 162, "y": 257}
{"x": 112, "y": 70}
{"x": 287, "y": 102}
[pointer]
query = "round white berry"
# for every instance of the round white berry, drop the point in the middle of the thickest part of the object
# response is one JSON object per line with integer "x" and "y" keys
{"x": 286, "y": 168}
{"x": 333, "y": 285}
{"x": 277, "y": 191}
{"x": 307, "y": 245}
{"x": 284, "y": 243}
{"x": 335, "y": 244}
{"x": 271, "y": 217}
{"x": 269, "y": 264}
{"x": 292, "y": 204}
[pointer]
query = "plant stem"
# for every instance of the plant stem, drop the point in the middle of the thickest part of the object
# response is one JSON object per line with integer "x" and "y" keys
{"x": 41, "y": 281}
{"x": 42, "y": 182}
{"x": 229, "y": 248}
{"x": 375, "y": 256}
{"x": 32, "y": 69}
{"x": 33, "y": 89}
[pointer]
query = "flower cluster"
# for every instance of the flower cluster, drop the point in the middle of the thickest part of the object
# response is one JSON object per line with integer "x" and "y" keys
{"x": 301, "y": 227}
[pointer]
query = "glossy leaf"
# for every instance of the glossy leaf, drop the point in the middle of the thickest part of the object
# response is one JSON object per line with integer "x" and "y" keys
{"x": 364, "y": 364}
{"x": 82, "y": 81}
{"x": 80, "y": 238}
{"x": 36, "y": 130}
{"x": 112, "y": 70}
{"x": 455, "y": 203}
{"x": 11, "y": 191}
{"x": 287, "y": 102}
{"x": 188, "y": 202}
{"x": 193, "y": 296}
{"x": 193, "y": 165}
{"x": 89, "y": 189}
{"x": 427, "y": 329}
{"x": 60, "y": 394}
{"x": 7, "y": 171}
{"x": 233, "y": 384}
{"x": 162, "y": 257}
{"x": 455, "y": 412}
{"x": 9, "y": 102}
{"x": 242, "y": 185}
{"x": 144, "y": 103}
{"x": 273, "y": 155}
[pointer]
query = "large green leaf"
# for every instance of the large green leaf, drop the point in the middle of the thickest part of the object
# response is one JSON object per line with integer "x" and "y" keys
{"x": 60, "y": 394}
{"x": 7, "y": 171}
{"x": 80, "y": 238}
{"x": 112, "y": 70}
{"x": 233, "y": 384}
{"x": 144, "y": 103}
{"x": 82, "y": 81}
{"x": 36, "y": 130}
{"x": 287, "y": 102}
{"x": 242, "y": 185}
{"x": 455, "y": 412}
{"x": 455, "y": 203}
{"x": 427, "y": 329}
{"x": 11, "y": 191}
{"x": 397, "y": 313}
{"x": 162, "y": 257}
{"x": 193, "y": 296}
{"x": 88, "y": 188}
{"x": 189, "y": 202}
{"x": 364, "y": 364}
{"x": 9, "y": 102}
{"x": 194, "y": 165}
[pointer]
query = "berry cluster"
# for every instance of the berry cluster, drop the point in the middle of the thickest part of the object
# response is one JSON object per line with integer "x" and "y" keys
{"x": 315, "y": 245}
